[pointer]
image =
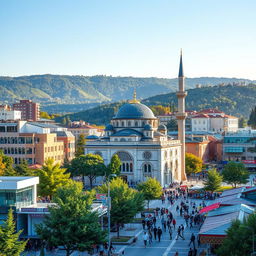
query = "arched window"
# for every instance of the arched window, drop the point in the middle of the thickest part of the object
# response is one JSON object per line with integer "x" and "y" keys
{"x": 129, "y": 123}
{"x": 122, "y": 123}
{"x": 136, "y": 124}
{"x": 127, "y": 161}
{"x": 147, "y": 170}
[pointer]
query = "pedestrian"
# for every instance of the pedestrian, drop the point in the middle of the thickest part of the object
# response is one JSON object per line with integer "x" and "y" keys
{"x": 194, "y": 252}
{"x": 155, "y": 232}
{"x": 150, "y": 237}
{"x": 174, "y": 223}
{"x": 154, "y": 221}
{"x": 190, "y": 253}
{"x": 170, "y": 233}
{"x": 176, "y": 254}
{"x": 159, "y": 233}
{"x": 192, "y": 240}
{"x": 179, "y": 234}
{"x": 165, "y": 226}
{"x": 168, "y": 224}
{"x": 145, "y": 239}
{"x": 198, "y": 240}
{"x": 182, "y": 230}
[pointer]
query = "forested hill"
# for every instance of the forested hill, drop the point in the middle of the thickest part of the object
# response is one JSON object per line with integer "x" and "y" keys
{"x": 62, "y": 89}
{"x": 234, "y": 100}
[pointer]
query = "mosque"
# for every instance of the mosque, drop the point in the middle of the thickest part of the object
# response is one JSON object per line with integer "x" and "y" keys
{"x": 142, "y": 144}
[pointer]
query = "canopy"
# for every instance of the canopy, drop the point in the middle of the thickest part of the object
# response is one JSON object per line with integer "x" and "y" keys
{"x": 209, "y": 208}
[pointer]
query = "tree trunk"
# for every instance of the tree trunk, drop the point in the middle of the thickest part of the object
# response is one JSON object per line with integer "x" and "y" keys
{"x": 91, "y": 179}
{"x": 148, "y": 204}
{"x": 118, "y": 231}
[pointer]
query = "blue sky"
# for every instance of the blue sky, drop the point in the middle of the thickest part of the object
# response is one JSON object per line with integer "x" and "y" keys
{"x": 128, "y": 37}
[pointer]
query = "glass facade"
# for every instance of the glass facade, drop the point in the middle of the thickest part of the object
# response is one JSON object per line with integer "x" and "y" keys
{"x": 18, "y": 198}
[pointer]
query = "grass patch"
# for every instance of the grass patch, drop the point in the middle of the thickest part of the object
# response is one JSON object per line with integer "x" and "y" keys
{"x": 223, "y": 188}
{"x": 120, "y": 238}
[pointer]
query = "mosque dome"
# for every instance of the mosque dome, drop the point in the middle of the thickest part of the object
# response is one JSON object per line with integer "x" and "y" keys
{"x": 134, "y": 111}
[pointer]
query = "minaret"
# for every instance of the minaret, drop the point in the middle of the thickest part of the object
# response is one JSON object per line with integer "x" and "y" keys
{"x": 181, "y": 116}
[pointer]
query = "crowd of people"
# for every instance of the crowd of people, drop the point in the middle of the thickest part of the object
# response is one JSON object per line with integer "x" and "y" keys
{"x": 163, "y": 219}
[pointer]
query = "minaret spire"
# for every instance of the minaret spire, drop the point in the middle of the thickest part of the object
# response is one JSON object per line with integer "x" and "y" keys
{"x": 134, "y": 100}
{"x": 181, "y": 73}
{"x": 181, "y": 116}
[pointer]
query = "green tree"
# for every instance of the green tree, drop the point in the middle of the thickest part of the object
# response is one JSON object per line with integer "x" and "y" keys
{"x": 160, "y": 110}
{"x": 235, "y": 173}
{"x": 151, "y": 189}
{"x": 9, "y": 239}
{"x": 71, "y": 222}
{"x": 90, "y": 166}
{"x": 252, "y": 118}
{"x": 45, "y": 115}
{"x": 81, "y": 141}
{"x": 114, "y": 165}
{"x": 6, "y": 165}
{"x": 241, "y": 122}
{"x": 213, "y": 181}
{"x": 51, "y": 178}
{"x": 125, "y": 202}
{"x": 22, "y": 169}
{"x": 239, "y": 239}
{"x": 193, "y": 163}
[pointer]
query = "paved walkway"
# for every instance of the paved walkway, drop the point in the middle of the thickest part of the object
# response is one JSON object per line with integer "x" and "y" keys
{"x": 166, "y": 247}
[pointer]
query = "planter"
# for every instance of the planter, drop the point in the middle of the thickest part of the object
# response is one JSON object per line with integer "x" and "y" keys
{"x": 123, "y": 240}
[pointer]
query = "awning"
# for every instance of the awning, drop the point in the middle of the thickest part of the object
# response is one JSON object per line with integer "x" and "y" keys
{"x": 209, "y": 208}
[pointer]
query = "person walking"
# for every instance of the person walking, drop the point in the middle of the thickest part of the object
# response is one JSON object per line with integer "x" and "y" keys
{"x": 182, "y": 229}
{"x": 145, "y": 239}
{"x": 174, "y": 223}
{"x": 150, "y": 237}
{"x": 192, "y": 240}
{"x": 143, "y": 224}
{"x": 190, "y": 253}
{"x": 170, "y": 233}
{"x": 179, "y": 234}
{"x": 159, "y": 233}
{"x": 155, "y": 232}
{"x": 168, "y": 223}
{"x": 164, "y": 225}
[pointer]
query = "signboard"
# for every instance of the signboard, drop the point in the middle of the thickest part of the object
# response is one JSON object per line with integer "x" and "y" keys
{"x": 249, "y": 161}
{"x": 102, "y": 198}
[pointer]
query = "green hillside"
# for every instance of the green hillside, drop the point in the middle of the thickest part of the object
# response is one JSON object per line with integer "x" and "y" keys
{"x": 58, "y": 91}
{"x": 234, "y": 100}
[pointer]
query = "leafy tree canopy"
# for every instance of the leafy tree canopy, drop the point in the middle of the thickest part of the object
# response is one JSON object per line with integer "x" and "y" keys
{"x": 193, "y": 163}
{"x": 9, "y": 239}
{"x": 235, "y": 173}
{"x": 125, "y": 202}
{"x": 151, "y": 189}
{"x": 51, "y": 177}
{"x": 81, "y": 141}
{"x": 213, "y": 181}
{"x": 114, "y": 165}
{"x": 252, "y": 118}
{"x": 89, "y": 165}
{"x": 71, "y": 222}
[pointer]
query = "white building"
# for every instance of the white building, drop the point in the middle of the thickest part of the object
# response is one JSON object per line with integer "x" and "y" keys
{"x": 214, "y": 120}
{"x": 7, "y": 114}
{"x": 142, "y": 145}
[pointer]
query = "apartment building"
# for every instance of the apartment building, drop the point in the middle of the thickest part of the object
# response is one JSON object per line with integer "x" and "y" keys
{"x": 30, "y": 111}
{"x": 6, "y": 113}
{"x": 35, "y": 142}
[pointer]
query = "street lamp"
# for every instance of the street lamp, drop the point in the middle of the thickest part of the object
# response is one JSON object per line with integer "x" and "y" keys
{"x": 109, "y": 206}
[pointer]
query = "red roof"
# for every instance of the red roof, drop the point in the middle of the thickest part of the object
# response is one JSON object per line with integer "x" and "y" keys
{"x": 201, "y": 116}
{"x": 209, "y": 208}
{"x": 210, "y": 111}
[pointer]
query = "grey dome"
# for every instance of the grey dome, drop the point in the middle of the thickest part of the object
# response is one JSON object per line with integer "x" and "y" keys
{"x": 134, "y": 111}
{"x": 148, "y": 127}
{"x": 162, "y": 127}
{"x": 109, "y": 127}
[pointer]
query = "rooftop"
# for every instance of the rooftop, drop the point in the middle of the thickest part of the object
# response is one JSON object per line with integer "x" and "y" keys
{"x": 14, "y": 182}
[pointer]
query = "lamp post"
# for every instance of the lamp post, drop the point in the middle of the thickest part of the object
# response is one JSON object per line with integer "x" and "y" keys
{"x": 109, "y": 206}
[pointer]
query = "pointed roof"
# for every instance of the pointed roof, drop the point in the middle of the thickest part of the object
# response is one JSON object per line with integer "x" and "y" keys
{"x": 181, "y": 74}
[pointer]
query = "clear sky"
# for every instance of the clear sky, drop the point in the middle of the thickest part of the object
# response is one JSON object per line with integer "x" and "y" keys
{"x": 128, "y": 37}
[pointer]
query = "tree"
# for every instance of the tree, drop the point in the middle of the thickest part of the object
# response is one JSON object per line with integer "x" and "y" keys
{"x": 151, "y": 189}
{"x": 9, "y": 239}
{"x": 160, "y": 110}
{"x": 193, "y": 163}
{"x": 239, "y": 239}
{"x": 81, "y": 141}
{"x": 71, "y": 222}
{"x": 125, "y": 202}
{"x": 6, "y": 165}
{"x": 51, "y": 178}
{"x": 252, "y": 118}
{"x": 114, "y": 165}
{"x": 235, "y": 173}
{"x": 22, "y": 169}
{"x": 241, "y": 122}
{"x": 89, "y": 165}
{"x": 214, "y": 180}
{"x": 45, "y": 115}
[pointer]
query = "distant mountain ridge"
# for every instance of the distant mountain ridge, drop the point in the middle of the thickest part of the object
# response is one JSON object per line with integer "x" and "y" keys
{"x": 234, "y": 100}
{"x": 53, "y": 90}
